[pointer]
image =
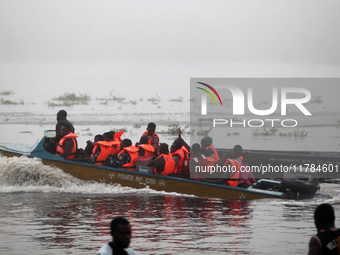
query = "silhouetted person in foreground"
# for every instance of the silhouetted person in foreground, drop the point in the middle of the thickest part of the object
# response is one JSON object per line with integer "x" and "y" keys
{"x": 121, "y": 238}
{"x": 327, "y": 240}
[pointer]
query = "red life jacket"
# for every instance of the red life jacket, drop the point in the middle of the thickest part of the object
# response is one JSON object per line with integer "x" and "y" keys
{"x": 150, "y": 137}
{"x": 180, "y": 152}
{"x": 133, "y": 152}
{"x": 170, "y": 165}
{"x": 60, "y": 149}
{"x": 105, "y": 150}
{"x": 149, "y": 149}
{"x": 216, "y": 157}
{"x": 235, "y": 175}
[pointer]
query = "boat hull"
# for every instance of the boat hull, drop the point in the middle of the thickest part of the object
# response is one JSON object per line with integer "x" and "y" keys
{"x": 135, "y": 179}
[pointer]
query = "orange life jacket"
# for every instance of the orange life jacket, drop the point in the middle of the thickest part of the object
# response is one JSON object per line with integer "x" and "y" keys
{"x": 115, "y": 147}
{"x": 117, "y": 136}
{"x": 105, "y": 150}
{"x": 216, "y": 157}
{"x": 149, "y": 149}
{"x": 180, "y": 164}
{"x": 60, "y": 148}
{"x": 133, "y": 152}
{"x": 150, "y": 137}
{"x": 235, "y": 175}
{"x": 170, "y": 165}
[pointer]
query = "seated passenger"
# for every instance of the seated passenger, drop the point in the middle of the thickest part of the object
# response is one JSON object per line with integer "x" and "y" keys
{"x": 208, "y": 149}
{"x": 185, "y": 145}
{"x": 108, "y": 136}
{"x": 186, "y": 150}
{"x": 116, "y": 136}
{"x": 145, "y": 149}
{"x": 237, "y": 153}
{"x": 179, "y": 154}
{"x": 230, "y": 177}
{"x": 62, "y": 121}
{"x": 164, "y": 164}
{"x": 67, "y": 146}
{"x": 86, "y": 153}
{"x": 246, "y": 177}
{"x": 125, "y": 158}
{"x": 199, "y": 165}
{"x": 102, "y": 150}
{"x": 153, "y": 138}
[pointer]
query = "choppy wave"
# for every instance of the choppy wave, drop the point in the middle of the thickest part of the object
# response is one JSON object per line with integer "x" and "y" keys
{"x": 23, "y": 174}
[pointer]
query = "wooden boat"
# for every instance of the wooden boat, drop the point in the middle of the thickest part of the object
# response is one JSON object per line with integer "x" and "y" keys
{"x": 136, "y": 179}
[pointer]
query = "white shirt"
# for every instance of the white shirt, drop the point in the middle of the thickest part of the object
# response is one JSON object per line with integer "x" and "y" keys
{"x": 107, "y": 250}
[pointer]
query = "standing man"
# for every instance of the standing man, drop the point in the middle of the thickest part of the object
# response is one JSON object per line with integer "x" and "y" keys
{"x": 153, "y": 138}
{"x": 121, "y": 238}
{"x": 61, "y": 118}
{"x": 327, "y": 240}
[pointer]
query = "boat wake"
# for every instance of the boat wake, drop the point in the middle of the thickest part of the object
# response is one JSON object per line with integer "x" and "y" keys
{"x": 23, "y": 174}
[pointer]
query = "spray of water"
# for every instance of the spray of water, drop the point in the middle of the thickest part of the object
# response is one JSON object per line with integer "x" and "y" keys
{"x": 23, "y": 174}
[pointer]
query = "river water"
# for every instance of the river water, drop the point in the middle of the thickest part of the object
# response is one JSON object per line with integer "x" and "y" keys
{"x": 45, "y": 211}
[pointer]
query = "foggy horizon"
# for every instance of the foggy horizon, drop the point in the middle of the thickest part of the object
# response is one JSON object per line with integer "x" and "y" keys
{"x": 171, "y": 32}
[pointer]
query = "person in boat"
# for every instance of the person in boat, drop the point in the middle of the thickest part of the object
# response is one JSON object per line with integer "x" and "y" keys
{"x": 186, "y": 150}
{"x": 61, "y": 118}
{"x": 87, "y": 152}
{"x": 198, "y": 164}
{"x": 108, "y": 136}
{"x": 180, "y": 155}
{"x": 234, "y": 163}
{"x": 185, "y": 145}
{"x": 247, "y": 179}
{"x": 327, "y": 240}
{"x": 67, "y": 146}
{"x": 116, "y": 136}
{"x": 153, "y": 138}
{"x": 121, "y": 238}
{"x": 125, "y": 159}
{"x": 102, "y": 150}
{"x": 164, "y": 164}
{"x": 208, "y": 149}
{"x": 230, "y": 177}
{"x": 144, "y": 148}
{"x": 237, "y": 152}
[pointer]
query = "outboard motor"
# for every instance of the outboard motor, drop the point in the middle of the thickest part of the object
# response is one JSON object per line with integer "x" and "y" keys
{"x": 300, "y": 185}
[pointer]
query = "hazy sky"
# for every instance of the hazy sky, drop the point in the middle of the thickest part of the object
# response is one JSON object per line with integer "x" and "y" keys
{"x": 291, "y": 31}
